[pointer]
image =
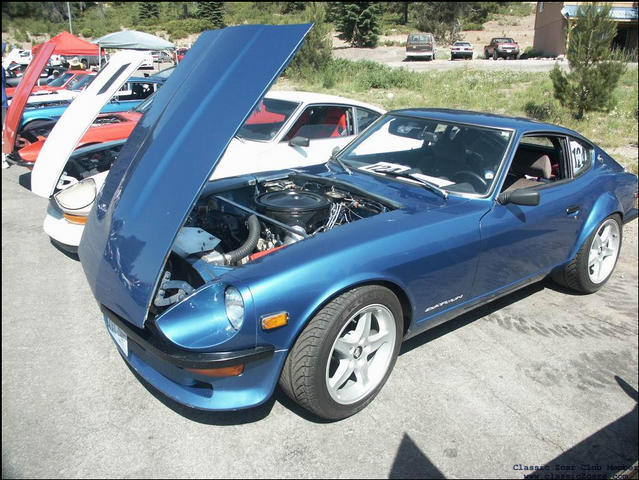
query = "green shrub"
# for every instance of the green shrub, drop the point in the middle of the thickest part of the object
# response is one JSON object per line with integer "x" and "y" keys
{"x": 316, "y": 50}
{"x": 21, "y": 36}
{"x": 472, "y": 26}
{"x": 374, "y": 75}
{"x": 545, "y": 111}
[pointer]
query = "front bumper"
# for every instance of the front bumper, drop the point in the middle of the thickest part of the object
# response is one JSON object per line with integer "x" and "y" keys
{"x": 507, "y": 53}
{"x": 165, "y": 367}
{"x": 63, "y": 232}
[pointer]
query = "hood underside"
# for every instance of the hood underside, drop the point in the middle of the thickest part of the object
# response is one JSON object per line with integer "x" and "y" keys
{"x": 77, "y": 118}
{"x": 14, "y": 113}
{"x": 171, "y": 153}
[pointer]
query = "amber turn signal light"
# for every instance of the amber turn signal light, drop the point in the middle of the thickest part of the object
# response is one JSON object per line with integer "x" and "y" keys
{"x": 78, "y": 219}
{"x": 276, "y": 320}
{"x": 233, "y": 371}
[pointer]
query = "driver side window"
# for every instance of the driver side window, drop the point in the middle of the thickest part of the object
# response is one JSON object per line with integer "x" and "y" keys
{"x": 322, "y": 121}
{"x": 538, "y": 160}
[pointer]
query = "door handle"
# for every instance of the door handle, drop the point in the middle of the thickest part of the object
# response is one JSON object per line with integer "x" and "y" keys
{"x": 572, "y": 209}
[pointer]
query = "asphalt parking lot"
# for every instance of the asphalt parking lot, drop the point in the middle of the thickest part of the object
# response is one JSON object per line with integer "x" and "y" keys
{"x": 539, "y": 378}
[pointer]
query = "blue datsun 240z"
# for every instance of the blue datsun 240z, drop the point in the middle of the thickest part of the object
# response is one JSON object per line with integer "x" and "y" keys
{"x": 215, "y": 291}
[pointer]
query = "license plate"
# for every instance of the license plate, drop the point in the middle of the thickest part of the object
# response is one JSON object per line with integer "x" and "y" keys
{"x": 119, "y": 336}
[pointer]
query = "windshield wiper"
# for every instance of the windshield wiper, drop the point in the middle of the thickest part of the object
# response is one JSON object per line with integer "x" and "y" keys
{"x": 239, "y": 137}
{"x": 335, "y": 158}
{"x": 413, "y": 176}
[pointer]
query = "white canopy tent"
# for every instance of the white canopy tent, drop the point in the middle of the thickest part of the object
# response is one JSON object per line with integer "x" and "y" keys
{"x": 133, "y": 40}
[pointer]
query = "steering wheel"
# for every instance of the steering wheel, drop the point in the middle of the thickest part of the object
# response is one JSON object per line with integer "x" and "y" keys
{"x": 474, "y": 179}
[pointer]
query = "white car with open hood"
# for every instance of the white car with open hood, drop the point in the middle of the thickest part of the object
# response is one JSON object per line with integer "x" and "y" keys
{"x": 287, "y": 129}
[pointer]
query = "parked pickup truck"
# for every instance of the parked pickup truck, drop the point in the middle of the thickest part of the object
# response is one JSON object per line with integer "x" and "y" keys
{"x": 501, "y": 47}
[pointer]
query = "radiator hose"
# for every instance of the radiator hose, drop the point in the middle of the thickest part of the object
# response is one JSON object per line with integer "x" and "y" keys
{"x": 249, "y": 245}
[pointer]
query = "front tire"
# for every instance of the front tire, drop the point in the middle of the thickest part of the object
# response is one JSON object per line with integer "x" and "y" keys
{"x": 495, "y": 56}
{"x": 596, "y": 259}
{"x": 344, "y": 356}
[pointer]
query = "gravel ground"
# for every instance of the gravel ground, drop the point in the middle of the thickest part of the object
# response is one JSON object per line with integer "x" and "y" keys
{"x": 396, "y": 57}
{"x": 541, "y": 377}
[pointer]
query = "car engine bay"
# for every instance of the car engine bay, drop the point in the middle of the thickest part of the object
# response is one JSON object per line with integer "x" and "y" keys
{"x": 239, "y": 226}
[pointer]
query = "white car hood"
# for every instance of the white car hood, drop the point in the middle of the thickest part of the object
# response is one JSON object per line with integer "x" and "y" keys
{"x": 238, "y": 158}
{"x": 77, "y": 118}
{"x": 57, "y": 96}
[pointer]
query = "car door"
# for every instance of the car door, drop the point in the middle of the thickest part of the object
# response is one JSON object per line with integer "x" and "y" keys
{"x": 519, "y": 242}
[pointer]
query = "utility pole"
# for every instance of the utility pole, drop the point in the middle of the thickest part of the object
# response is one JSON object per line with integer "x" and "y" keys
{"x": 69, "y": 13}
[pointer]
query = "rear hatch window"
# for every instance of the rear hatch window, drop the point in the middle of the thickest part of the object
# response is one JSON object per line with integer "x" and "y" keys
{"x": 420, "y": 38}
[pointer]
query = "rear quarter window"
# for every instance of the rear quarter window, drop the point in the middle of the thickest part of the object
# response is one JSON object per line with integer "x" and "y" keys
{"x": 581, "y": 155}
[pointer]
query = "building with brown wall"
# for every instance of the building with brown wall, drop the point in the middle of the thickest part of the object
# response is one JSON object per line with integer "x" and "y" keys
{"x": 551, "y": 26}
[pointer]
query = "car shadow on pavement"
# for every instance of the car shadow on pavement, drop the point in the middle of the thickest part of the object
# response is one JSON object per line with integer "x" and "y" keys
{"x": 469, "y": 317}
{"x": 25, "y": 180}
{"x": 411, "y": 462}
{"x": 608, "y": 453}
{"x": 68, "y": 254}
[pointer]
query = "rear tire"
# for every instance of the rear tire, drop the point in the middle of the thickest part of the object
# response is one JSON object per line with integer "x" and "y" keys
{"x": 596, "y": 259}
{"x": 345, "y": 354}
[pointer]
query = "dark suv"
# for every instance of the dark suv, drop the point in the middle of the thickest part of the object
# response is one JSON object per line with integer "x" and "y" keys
{"x": 420, "y": 45}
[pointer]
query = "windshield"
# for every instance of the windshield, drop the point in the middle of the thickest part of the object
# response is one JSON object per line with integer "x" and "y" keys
{"x": 267, "y": 119}
{"x": 166, "y": 73}
{"x": 504, "y": 40}
{"x": 61, "y": 80}
{"x": 456, "y": 157}
{"x": 144, "y": 106}
{"x": 80, "y": 82}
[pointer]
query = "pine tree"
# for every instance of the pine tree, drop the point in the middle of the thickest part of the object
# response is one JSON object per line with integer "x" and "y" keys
{"x": 594, "y": 73}
{"x": 358, "y": 23}
{"x": 442, "y": 19}
{"x": 293, "y": 7}
{"x": 212, "y": 13}
{"x": 148, "y": 11}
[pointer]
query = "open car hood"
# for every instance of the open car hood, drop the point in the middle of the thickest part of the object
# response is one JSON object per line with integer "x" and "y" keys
{"x": 171, "y": 153}
{"x": 21, "y": 95}
{"x": 78, "y": 118}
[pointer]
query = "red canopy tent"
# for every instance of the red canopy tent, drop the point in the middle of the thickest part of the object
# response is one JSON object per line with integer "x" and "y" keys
{"x": 69, "y": 44}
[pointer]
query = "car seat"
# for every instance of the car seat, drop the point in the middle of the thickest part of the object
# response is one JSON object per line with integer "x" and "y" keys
{"x": 529, "y": 171}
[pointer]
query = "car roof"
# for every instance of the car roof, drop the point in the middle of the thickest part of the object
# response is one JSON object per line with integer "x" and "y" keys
{"x": 484, "y": 119}
{"x": 311, "y": 97}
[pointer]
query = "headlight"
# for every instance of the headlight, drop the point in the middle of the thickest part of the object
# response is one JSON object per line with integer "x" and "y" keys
{"x": 234, "y": 307}
{"x": 78, "y": 196}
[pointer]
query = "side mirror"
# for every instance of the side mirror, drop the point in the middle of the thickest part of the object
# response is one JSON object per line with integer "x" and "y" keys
{"x": 299, "y": 142}
{"x": 522, "y": 196}
{"x": 335, "y": 151}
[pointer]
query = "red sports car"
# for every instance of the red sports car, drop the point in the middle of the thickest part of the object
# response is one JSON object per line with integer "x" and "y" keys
{"x": 66, "y": 80}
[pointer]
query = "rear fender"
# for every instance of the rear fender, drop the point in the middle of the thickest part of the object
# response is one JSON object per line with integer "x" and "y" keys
{"x": 604, "y": 206}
